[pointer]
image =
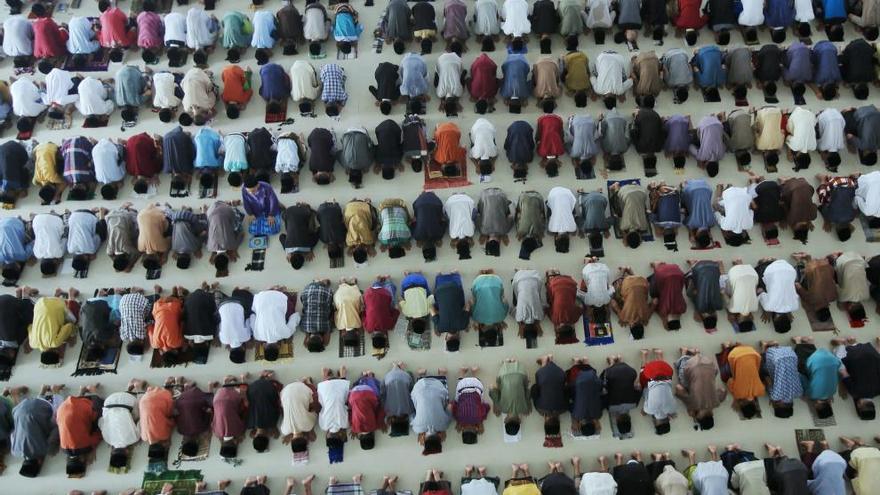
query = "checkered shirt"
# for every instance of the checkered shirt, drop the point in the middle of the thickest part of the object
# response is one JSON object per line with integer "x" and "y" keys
{"x": 77, "y": 153}
{"x": 133, "y": 310}
{"x": 317, "y": 302}
{"x": 333, "y": 79}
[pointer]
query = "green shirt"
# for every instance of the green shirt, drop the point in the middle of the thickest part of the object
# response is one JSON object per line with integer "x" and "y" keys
{"x": 237, "y": 30}
{"x": 512, "y": 394}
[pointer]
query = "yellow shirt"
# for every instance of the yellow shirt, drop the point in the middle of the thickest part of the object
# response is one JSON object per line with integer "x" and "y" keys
{"x": 866, "y": 460}
{"x": 358, "y": 217}
{"x": 52, "y": 325}
{"x": 45, "y": 165}
{"x": 349, "y": 306}
{"x": 768, "y": 129}
{"x": 414, "y": 303}
{"x": 523, "y": 489}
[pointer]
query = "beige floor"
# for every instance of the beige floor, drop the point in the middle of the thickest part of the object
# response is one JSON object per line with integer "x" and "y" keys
{"x": 401, "y": 455}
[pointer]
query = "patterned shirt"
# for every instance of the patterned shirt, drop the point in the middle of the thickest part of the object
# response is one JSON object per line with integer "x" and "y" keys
{"x": 394, "y": 219}
{"x": 317, "y": 302}
{"x": 333, "y": 81}
{"x": 133, "y": 309}
{"x": 77, "y": 154}
{"x": 469, "y": 409}
{"x": 781, "y": 364}
{"x": 825, "y": 188}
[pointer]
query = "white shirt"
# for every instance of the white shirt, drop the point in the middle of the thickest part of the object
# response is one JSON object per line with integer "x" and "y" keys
{"x": 303, "y": 81}
{"x": 107, "y": 161}
{"x": 175, "y": 27}
{"x": 659, "y": 400}
{"x": 486, "y": 12}
{"x": 710, "y": 477}
{"x": 287, "y": 159}
{"x": 801, "y": 129}
{"x": 516, "y": 18}
{"x": 295, "y": 400}
{"x": 49, "y": 242}
{"x": 198, "y": 31}
{"x": 742, "y": 280}
{"x": 449, "y": 72}
{"x": 333, "y": 396}
{"x": 483, "y": 137}
{"x": 81, "y": 38}
{"x": 599, "y": 15}
{"x": 264, "y": 23}
{"x": 611, "y": 71}
{"x": 780, "y": 295}
{"x": 597, "y": 484}
{"x": 235, "y": 330}
{"x": 118, "y": 424}
{"x": 163, "y": 90}
{"x": 94, "y": 98}
{"x": 18, "y": 36}
{"x": 26, "y": 98}
{"x": 752, "y": 14}
{"x": 58, "y": 85}
{"x": 270, "y": 323}
{"x": 480, "y": 486}
{"x": 867, "y": 198}
{"x": 81, "y": 235}
{"x": 459, "y": 209}
{"x": 561, "y": 202}
{"x": 314, "y": 25}
{"x": 737, "y": 216}
{"x": 831, "y": 134}
{"x": 803, "y": 11}
{"x": 198, "y": 90}
{"x": 597, "y": 277}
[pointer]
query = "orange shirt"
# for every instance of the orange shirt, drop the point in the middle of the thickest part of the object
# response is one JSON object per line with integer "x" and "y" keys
{"x": 745, "y": 381}
{"x": 76, "y": 419}
{"x": 156, "y": 410}
{"x": 167, "y": 332}
{"x": 234, "y": 79}
{"x": 447, "y": 137}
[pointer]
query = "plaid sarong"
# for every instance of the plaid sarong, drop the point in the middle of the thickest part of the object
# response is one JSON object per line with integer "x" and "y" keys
{"x": 345, "y": 489}
{"x": 260, "y": 226}
{"x": 346, "y": 351}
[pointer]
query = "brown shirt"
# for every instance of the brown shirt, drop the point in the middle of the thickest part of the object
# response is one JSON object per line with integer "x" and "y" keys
{"x": 646, "y": 68}
{"x": 152, "y": 225}
{"x": 634, "y": 296}
{"x": 546, "y": 77}
{"x": 797, "y": 198}
{"x": 818, "y": 287}
{"x": 698, "y": 377}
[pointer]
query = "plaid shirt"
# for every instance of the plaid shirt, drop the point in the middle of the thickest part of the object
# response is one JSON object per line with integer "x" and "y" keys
{"x": 77, "y": 153}
{"x": 317, "y": 302}
{"x": 133, "y": 309}
{"x": 824, "y": 190}
{"x": 394, "y": 219}
{"x": 333, "y": 80}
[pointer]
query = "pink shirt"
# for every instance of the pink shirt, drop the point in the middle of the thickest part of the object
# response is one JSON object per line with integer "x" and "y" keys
{"x": 114, "y": 29}
{"x": 151, "y": 30}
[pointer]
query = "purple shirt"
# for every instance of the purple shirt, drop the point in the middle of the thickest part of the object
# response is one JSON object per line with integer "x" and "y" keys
{"x": 711, "y": 133}
{"x": 150, "y": 29}
{"x": 261, "y": 203}
{"x": 798, "y": 63}
{"x": 193, "y": 412}
{"x": 230, "y": 412}
{"x": 678, "y": 139}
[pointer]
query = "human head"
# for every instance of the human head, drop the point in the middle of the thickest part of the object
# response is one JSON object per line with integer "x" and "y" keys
{"x": 647, "y": 101}
{"x": 116, "y": 55}
{"x": 868, "y": 157}
{"x": 548, "y": 105}
{"x": 824, "y": 410}
{"x": 453, "y": 344}
{"x": 633, "y": 239}
{"x": 771, "y": 157}
{"x": 493, "y": 247}
{"x": 251, "y": 182}
{"x": 552, "y": 167}
{"x": 871, "y": 32}
{"x": 517, "y": 44}
{"x": 610, "y": 101}
{"x": 315, "y": 48}
{"x": 710, "y": 322}
{"x": 681, "y": 94}
{"x": 418, "y": 325}
{"x": 229, "y": 449}
{"x": 746, "y": 326}
{"x": 25, "y": 124}
{"x": 39, "y": 10}
{"x": 724, "y": 37}
{"x": 359, "y": 255}
{"x": 865, "y": 409}
{"x": 662, "y": 427}
{"x": 314, "y": 343}
{"x": 829, "y": 92}
{"x": 135, "y": 348}
{"x": 271, "y": 352}
{"x": 200, "y": 57}
{"x": 233, "y": 55}
{"x": 690, "y": 37}
{"x": 426, "y": 46}
{"x": 262, "y": 56}
{"x": 11, "y": 271}
{"x": 75, "y": 466}
{"x": 48, "y": 267}
{"x": 237, "y": 355}
{"x": 781, "y": 322}
{"x": 463, "y": 248}
{"x": 615, "y": 162}
{"x": 367, "y": 440}
{"x": 650, "y": 161}
{"x": 469, "y": 437}
{"x": 637, "y": 331}
{"x": 823, "y": 314}
{"x": 379, "y": 340}
{"x": 703, "y": 238}
{"x": 190, "y": 448}
{"x": 332, "y": 109}
{"x": 488, "y": 44}
{"x": 706, "y": 422}
{"x": 777, "y": 35}
{"x": 118, "y": 458}
{"x": 45, "y": 66}
{"x": 740, "y": 92}
{"x": 47, "y": 193}
{"x": 783, "y": 411}
{"x": 580, "y": 99}
{"x": 185, "y": 119}
{"x": 562, "y": 243}
{"x": 802, "y": 160}
{"x": 801, "y": 233}
{"x": 261, "y": 443}
{"x": 299, "y": 444}
{"x": 80, "y": 263}
{"x": 511, "y": 426}
{"x": 151, "y": 262}
{"x": 546, "y": 45}
{"x": 833, "y": 159}
{"x": 749, "y": 409}
{"x": 860, "y": 91}
{"x": 624, "y": 423}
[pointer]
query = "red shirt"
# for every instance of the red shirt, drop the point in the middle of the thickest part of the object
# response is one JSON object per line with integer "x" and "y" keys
{"x": 668, "y": 285}
{"x": 379, "y": 315}
{"x": 76, "y": 419}
{"x": 653, "y": 370}
{"x": 689, "y": 15}
{"x": 114, "y": 29}
{"x": 483, "y": 83}
{"x": 142, "y": 156}
{"x": 562, "y": 298}
{"x": 367, "y": 414}
{"x": 549, "y": 136}
{"x": 234, "y": 79}
{"x": 49, "y": 39}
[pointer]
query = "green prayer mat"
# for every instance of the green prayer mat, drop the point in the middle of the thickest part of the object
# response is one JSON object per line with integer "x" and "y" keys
{"x": 184, "y": 482}
{"x": 418, "y": 342}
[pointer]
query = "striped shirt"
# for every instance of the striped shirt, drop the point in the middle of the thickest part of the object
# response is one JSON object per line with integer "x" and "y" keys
{"x": 394, "y": 219}
{"x": 825, "y": 188}
{"x": 77, "y": 153}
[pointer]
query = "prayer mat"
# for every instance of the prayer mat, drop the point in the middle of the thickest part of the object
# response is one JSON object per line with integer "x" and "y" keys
{"x": 589, "y": 174}
{"x": 418, "y": 342}
{"x": 648, "y": 235}
{"x": 96, "y": 62}
{"x": 378, "y": 44}
{"x": 820, "y": 326}
{"x": 434, "y": 178}
{"x": 184, "y": 482}
{"x": 347, "y": 351}
{"x": 319, "y": 55}
{"x": 99, "y": 121}
{"x": 820, "y": 422}
{"x": 107, "y": 364}
{"x": 808, "y": 434}
{"x": 495, "y": 480}
{"x": 204, "y": 449}
{"x": 597, "y": 249}
{"x": 6, "y": 370}
{"x": 335, "y": 455}
{"x": 553, "y": 441}
{"x": 285, "y": 351}
{"x": 280, "y": 116}
{"x": 61, "y": 124}
{"x": 770, "y": 98}
{"x": 258, "y": 260}
{"x": 571, "y": 339}
{"x": 178, "y": 192}
{"x": 121, "y": 470}
{"x": 578, "y": 436}
{"x": 299, "y": 458}
{"x": 711, "y": 95}
{"x": 260, "y": 228}
{"x": 498, "y": 341}
{"x": 184, "y": 357}
{"x": 154, "y": 274}
{"x": 859, "y": 323}
{"x": 672, "y": 244}
{"x": 598, "y": 333}
{"x": 871, "y": 235}
{"x": 345, "y": 489}
{"x": 615, "y": 432}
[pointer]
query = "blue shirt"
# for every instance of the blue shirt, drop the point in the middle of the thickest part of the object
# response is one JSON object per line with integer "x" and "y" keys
{"x": 697, "y": 198}
{"x": 825, "y": 60}
{"x": 13, "y": 247}
{"x": 413, "y": 75}
{"x": 414, "y": 280}
{"x": 821, "y": 380}
{"x": 345, "y": 28}
{"x": 779, "y": 13}
{"x": 515, "y": 77}
{"x": 208, "y": 142}
{"x": 274, "y": 82}
{"x": 834, "y": 9}
{"x": 709, "y": 62}
{"x": 798, "y": 63}
{"x": 520, "y": 143}
{"x": 264, "y": 29}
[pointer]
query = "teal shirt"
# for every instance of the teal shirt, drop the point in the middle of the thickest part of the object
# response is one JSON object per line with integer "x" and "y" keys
{"x": 237, "y": 30}
{"x": 130, "y": 87}
{"x": 489, "y": 306}
{"x": 821, "y": 383}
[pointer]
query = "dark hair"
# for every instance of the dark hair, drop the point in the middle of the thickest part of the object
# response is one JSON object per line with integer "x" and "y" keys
{"x": 690, "y": 37}
{"x": 47, "y": 193}
{"x": 624, "y": 423}
{"x": 232, "y": 111}
{"x": 48, "y": 267}
{"x": 833, "y": 158}
{"x": 517, "y": 44}
{"x": 580, "y": 99}
{"x": 552, "y": 167}
{"x": 783, "y": 411}
{"x": 824, "y": 410}
{"x": 647, "y": 101}
{"x": 511, "y": 426}
{"x": 637, "y": 331}
{"x": 185, "y": 119}
{"x": 469, "y": 437}
{"x": 379, "y": 340}
{"x": 587, "y": 428}
{"x": 724, "y": 37}
{"x": 870, "y": 32}
{"x": 151, "y": 262}
{"x": 175, "y": 56}
{"x": 395, "y": 252}
{"x": 615, "y": 162}
{"x": 250, "y": 181}
{"x": 25, "y": 124}
{"x": 367, "y": 440}
{"x": 271, "y": 352}
{"x": 332, "y": 109}
{"x": 463, "y": 248}
{"x": 237, "y": 355}
{"x": 118, "y": 458}
{"x": 829, "y": 92}
{"x": 387, "y": 173}
{"x": 488, "y": 44}
{"x": 116, "y": 55}
{"x": 571, "y": 42}
{"x": 546, "y": 45}
{"x": 299, "y": 444}
{"x": 200, "y": 57}
{"x": 399, "y": 47}
{"x": 633, "y": 239}
{"x": 433, "y": 445}
{"x": 385, "y": 107}
{"x": 748, "y": 409}
{"x": 777, "y": 35}
{"x": 823, "y": 314}
{"x": 798, "y": 88}
{"x": 710, "y": 322}
{"x": 681, "y": 94}
{"x": 426, "y": 45}
{"x": 11, "y": 271}
{"x": 662, "y": 427}
{"x": 703, "y": 238}
{"x": 190, "y": 448}
{"x": 857, "y": 311}
{"x": 129, "y": 114}
{"x": 801, "y": 234}
{"x": 75, "y": 466}
{"x": 866, "y": 410}
{"x": 234, "y": 179}
{"x": 673, "y": 324}
{"x": 493, "y": 247}
{"x": 156, "y": 451}
{"x": 610, "y": 102}
{"x": 548, "y": 105}
{"x": 359, "y": 255}
{"x": 868, "y": 157}
{"x": 261, "y": 443}
{"x": 315, "y": 343}
{"x": 418, "y": 325}
{"x": 135, "y": 348}
{"x": 30, "y": 468}
{"x": 746, "y": 326}
{"x": 297, "y": 260}
{"x": 165, "y": 115}
{"x": 707, "y": 422}
{"x": 45, "y": 66}
{"x": 551, "y": 426}
{"x": 770, "y": 88}
{"x": 453, "y": 344}
{"x": 860, "y": 91}
{"x": 39, "y": 10}
{"x": 80, "y": 262}
{"x": 228, "y": 450}
{"x": 183, "y": 261}
{"x": 802, "y": 160}
{"x": 562, "y": 243}
{"x": 803, "y": 29}
{"x": 781, "y": 323}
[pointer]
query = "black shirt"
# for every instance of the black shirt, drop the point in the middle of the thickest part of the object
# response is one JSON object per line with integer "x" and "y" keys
{"x": 387, "y": 75}
{"x": 722, "y": 12}
{"x": 290, "y": 24}
{"x": 178, "y": 151}
{"x": 619, "y": 381}
{"x": 647, "y": 131}
{"x": 768, "y": 202}
{"x": 545, "y": 19}
{"x": 331, "y": 226}
{"x": 200, "y": 314}
{"x": 428, "y": 214}
{"x": 95, "y": 325}
{"x": 558, "y": 484}
{"x": 768, "y": 63}
{"x": 862, "y": 362}
{"x": 300, "y": 227}
{"x": 261, "y": 156}
{"x": 389, "y": 150}
{"x": 633, "y": 479}
{"x": 264, "y": 404}
{"x": 423, "y": 16}
{"x": 857, "y": 62}
{"x": 321, "y": 157}
{"x": 654, "y": 13}
{"x": 15, "y": 316}
{"x": 549, "y": 393}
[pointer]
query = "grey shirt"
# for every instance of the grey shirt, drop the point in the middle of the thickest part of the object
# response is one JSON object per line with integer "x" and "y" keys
{"x": 224, "y": 227}
{"x": 867, "y": 120}
{"x": 356, "y": 150}
{"x": 631, "y": 203}
{"x": 185, "y": 230}
{"x": 704, "y": 286}
{"x": 629, "y": 12}
{"x": 36, "y": 432}
{"x": 122, "y": 232}
{"x": 396, "y": 399}
{"x": 614, "y": 132}
{"x": 430, "y": 398}
{"x": 531, "y": 215}
{"x": 676, "y": 68}
{"x": 493, "y": 212}
{"x": 739, "y": 127}
{"x": 739, "y": 66}
{"x": 593, "y": 206}
{"x": 528, "y": 294}
{"x": 584, "y": 142}
{"x": 397, "y": 20}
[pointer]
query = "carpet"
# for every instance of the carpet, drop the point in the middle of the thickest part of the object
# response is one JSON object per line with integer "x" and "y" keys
{"x": 348, "y": 351}
{"x": 184, "y": 357}
{"x": 381, "y": 352}
{"x": 434, "y": 178}
{"x": 598, "y": 333}
{"x": 204, "y": 449}
{"x": 814, "y": 434}
{"x": 107, "y": 364}
{"x": 871, "y": 235}
{"x": 178, "y": 192}
{"x": 647, "y": 236}
{"x": 820, "y": 326}
{"x": 418, "y": 341}
{"x": 184, "y": 482}
{"x": 820, "y": 422}
{"x": 96, "y": 62}
{"x": 285, "y": 351}
{"x": 498, "y": 341}
{"x": 121, "y": 470}
{"x": 280, "y": 116}
{"x": 60, "y": 124}
{"x": 6, "y": 371}
{"x": 98, "y": 122}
